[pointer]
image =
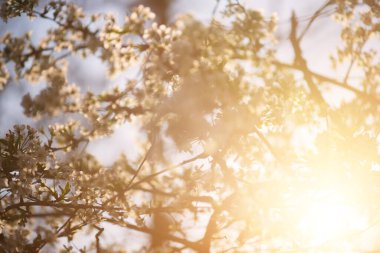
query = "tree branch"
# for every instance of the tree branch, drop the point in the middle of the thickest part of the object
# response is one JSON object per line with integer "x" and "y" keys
{"x": 60, "y": 205}
{"x": 97, "y": 237}
{"x": 150, "y": 177}
{"x": 314, "y": 17}
{"x": 373, "y": 99}
{"x": 300, "y": 61}
{"x": 141, "y": 164}
{"x": 193, "y": 245}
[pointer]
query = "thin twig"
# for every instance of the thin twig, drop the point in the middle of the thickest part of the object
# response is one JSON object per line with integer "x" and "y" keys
{"x": 150, "y": 177}
{"x": 313, "y": 18}
{"x": 267, "y": 143}
{"x": 372, "y": 98}
{"x": 189, "y": 244}
{"x": 142, "y": 163}
{"x": 67, "y": 222}
{"x": 60, "y": 205}
{"x": 215, "y": 9}
{"x": 97, "y": 238}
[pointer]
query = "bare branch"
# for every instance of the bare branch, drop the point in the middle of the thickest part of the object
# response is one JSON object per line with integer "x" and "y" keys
{"x": 300, "y": 61}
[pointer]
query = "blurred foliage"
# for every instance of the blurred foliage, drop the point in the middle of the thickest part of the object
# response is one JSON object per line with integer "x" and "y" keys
{"x": 218, "y": 92}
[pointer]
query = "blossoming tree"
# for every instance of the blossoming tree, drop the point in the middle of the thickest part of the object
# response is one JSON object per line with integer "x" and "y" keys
{"x": 217, "y": 95}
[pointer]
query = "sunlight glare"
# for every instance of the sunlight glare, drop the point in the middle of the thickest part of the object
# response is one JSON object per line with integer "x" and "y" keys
{"x": 330, "y": 218}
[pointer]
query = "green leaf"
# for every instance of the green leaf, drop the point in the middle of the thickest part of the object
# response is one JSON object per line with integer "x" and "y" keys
{"x": 67, "y": 189}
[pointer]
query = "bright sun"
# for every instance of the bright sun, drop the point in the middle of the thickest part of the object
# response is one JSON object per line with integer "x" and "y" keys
{"x": 329, "y": 203}
{"x": 330, "y": 218}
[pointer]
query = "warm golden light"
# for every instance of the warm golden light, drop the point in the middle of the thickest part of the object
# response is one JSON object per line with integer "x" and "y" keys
{"x": 331, "y": 218}
{"x": 332, "y": 211}
{"x": 205, "y": 126}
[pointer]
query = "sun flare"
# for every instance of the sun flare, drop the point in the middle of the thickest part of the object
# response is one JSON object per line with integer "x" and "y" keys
{"x": 331, "y": 217}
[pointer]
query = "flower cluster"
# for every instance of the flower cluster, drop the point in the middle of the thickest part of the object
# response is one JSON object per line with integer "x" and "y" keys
{"x": 13, "y": 8}
{"x": 57, "y": 97}
{"x": 23, "y": 157}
